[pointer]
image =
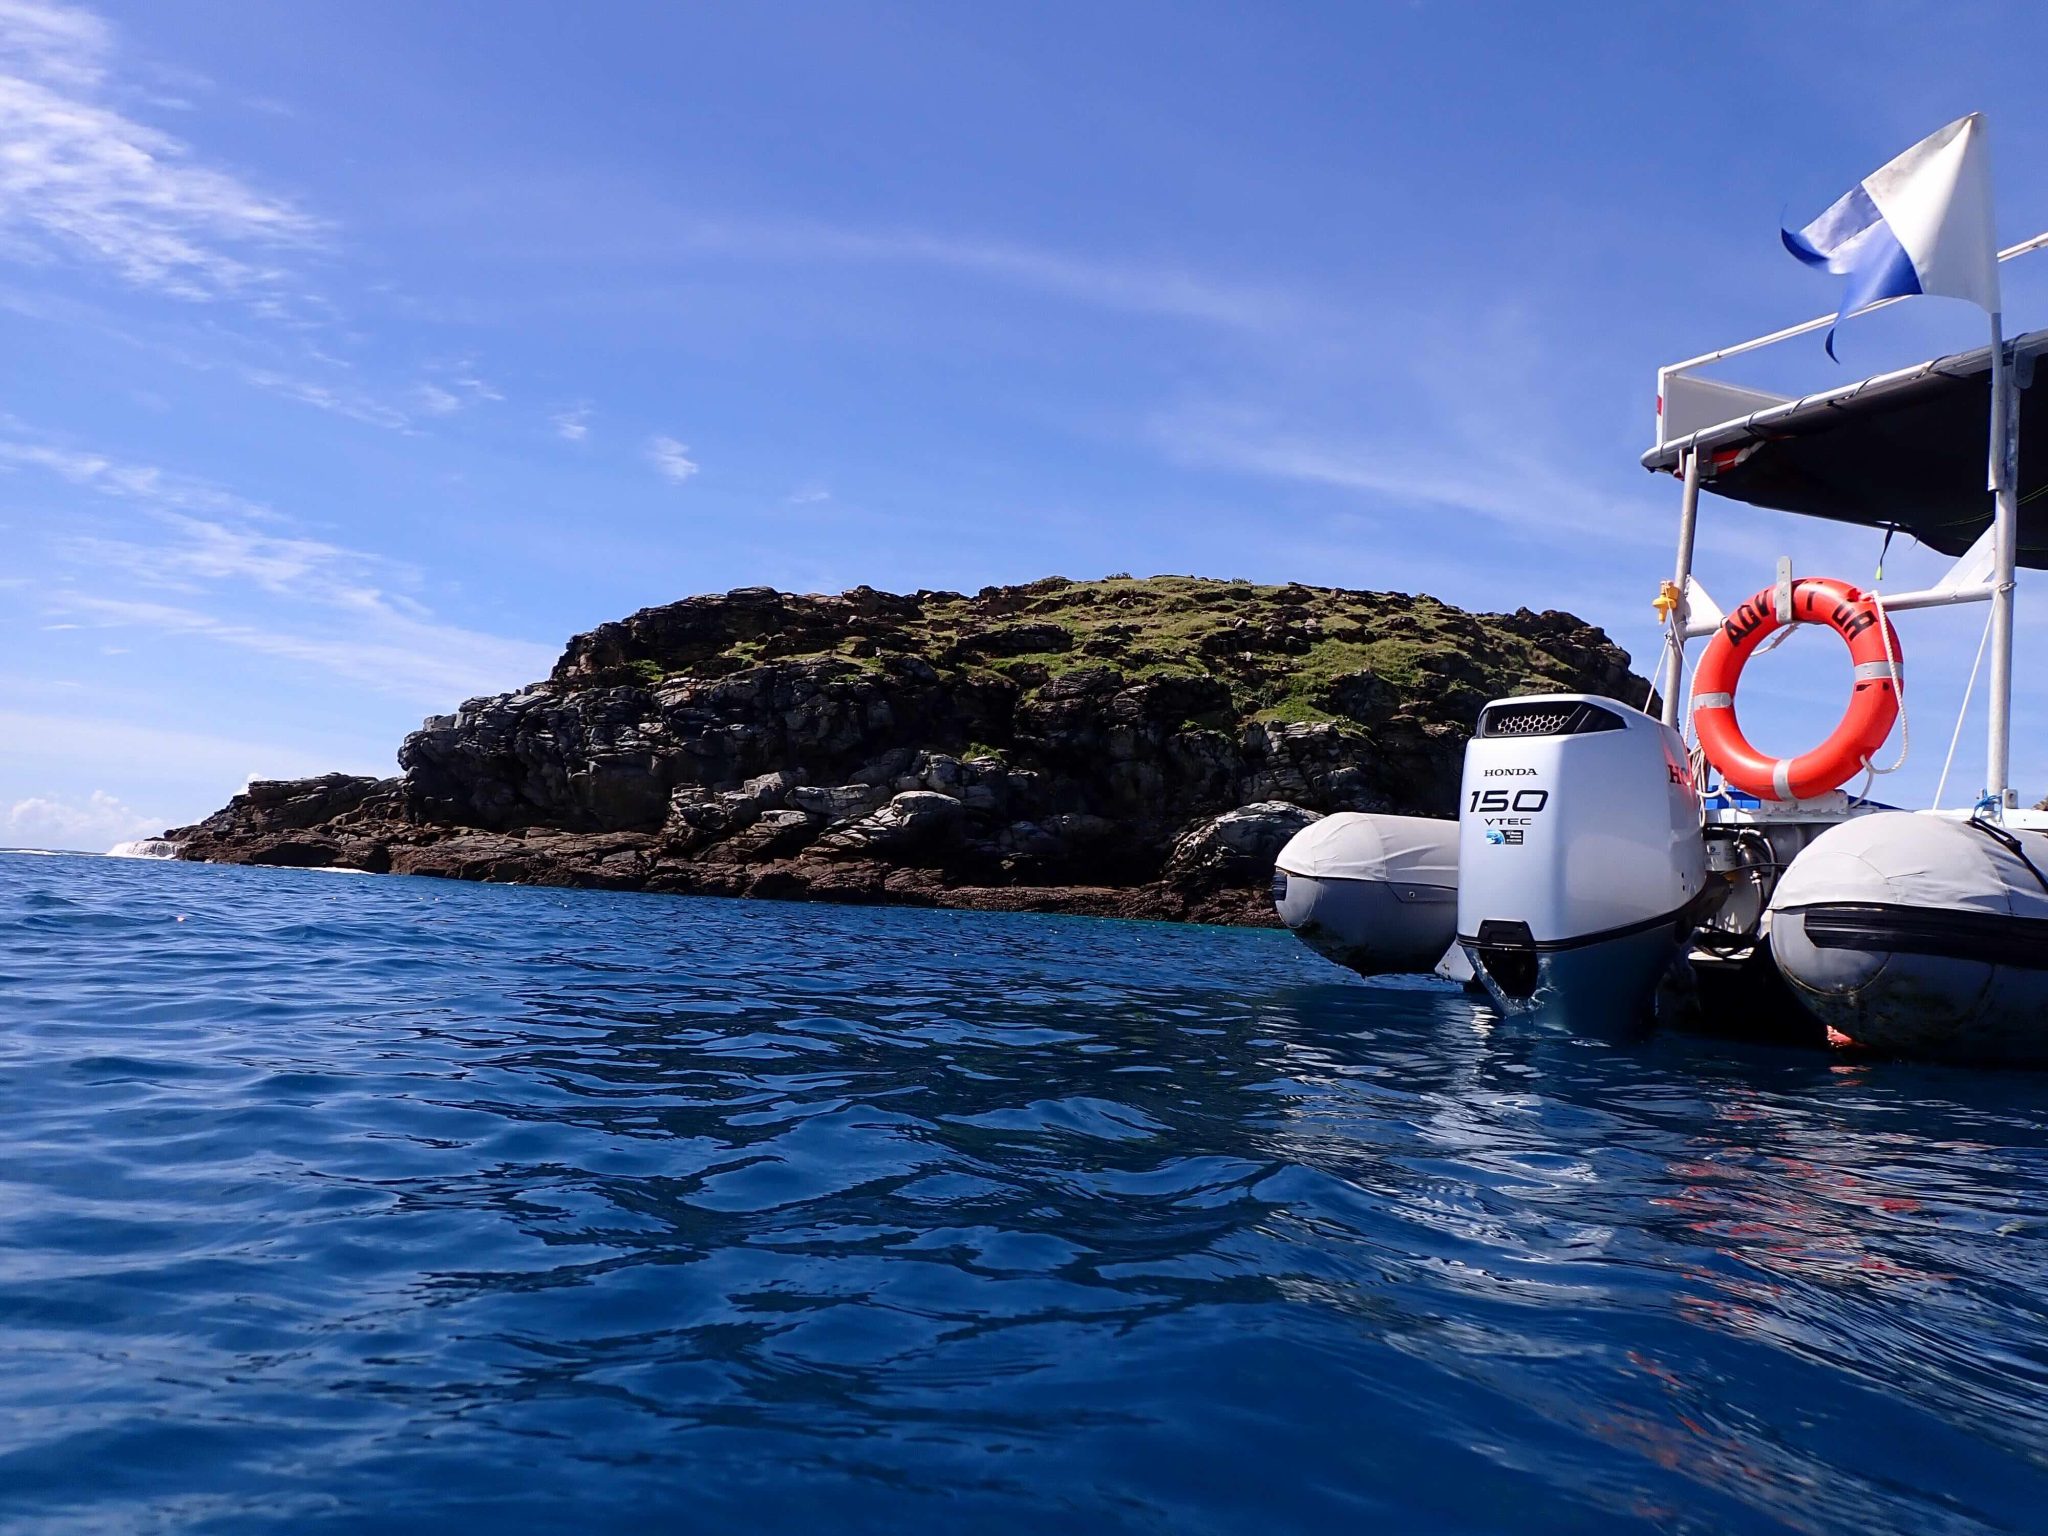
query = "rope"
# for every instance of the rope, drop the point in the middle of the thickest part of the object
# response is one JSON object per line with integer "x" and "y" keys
{"x": 1688, "y": 734}
{"x": 1884, "y": 633}
{"x": 1957, "y": 735}
{"x": 1672, "y": 646}
{"x": 1779, "y": 638}
{"x": 2006, "y": 840}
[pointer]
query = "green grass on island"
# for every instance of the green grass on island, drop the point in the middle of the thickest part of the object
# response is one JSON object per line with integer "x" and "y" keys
{"x": 1288, "y": 654}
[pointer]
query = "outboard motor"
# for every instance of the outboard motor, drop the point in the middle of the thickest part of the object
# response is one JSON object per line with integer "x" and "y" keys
{"x": 1580, "y": 858}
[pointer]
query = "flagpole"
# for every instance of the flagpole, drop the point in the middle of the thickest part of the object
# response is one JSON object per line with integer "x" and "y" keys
{"x": 2003, "y": 482}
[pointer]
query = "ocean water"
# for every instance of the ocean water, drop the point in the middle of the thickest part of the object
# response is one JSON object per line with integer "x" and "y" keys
{"x": 338, "y": 1203}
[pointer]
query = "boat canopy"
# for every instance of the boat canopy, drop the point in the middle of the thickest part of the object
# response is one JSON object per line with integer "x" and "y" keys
{"x": 1901, "y": 450}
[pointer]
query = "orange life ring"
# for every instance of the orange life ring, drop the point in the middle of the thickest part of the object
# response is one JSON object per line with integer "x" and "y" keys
{"x": 1873, "y": 704}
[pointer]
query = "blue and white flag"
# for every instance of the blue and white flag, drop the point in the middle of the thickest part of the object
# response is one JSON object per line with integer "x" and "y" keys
{"x": 1919, "y": 224}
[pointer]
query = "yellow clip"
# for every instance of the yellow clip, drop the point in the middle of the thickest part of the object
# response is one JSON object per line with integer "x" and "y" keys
{"x": 1666, "y": 601}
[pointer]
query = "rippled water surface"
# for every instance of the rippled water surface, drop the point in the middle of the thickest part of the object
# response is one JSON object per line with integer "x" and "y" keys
{"x": 345, "y": 1203}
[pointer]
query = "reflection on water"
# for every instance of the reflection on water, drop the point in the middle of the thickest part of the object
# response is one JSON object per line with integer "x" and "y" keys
{"x": 386, "y": 1204}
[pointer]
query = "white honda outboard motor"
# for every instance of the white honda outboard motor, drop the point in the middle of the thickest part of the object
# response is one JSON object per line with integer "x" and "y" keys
{"x": 1580, "y": 858}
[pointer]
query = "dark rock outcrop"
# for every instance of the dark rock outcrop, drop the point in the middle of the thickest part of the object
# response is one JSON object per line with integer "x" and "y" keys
{"x": 1123, "y": 746}
{"x": 1238, "y": 847}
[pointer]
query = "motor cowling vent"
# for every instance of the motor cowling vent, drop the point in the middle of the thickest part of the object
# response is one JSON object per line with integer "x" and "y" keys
{"x": 1547, "y": 718}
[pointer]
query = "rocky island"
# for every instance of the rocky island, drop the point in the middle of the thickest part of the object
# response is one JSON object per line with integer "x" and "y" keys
{"x": 1119, "y": 747}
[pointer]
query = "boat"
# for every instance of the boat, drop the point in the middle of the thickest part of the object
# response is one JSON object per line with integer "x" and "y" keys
{"x": 1617, "y": 869}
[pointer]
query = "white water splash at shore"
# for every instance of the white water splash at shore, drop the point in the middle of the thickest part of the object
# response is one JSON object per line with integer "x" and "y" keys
{"x": 145, "y": 848}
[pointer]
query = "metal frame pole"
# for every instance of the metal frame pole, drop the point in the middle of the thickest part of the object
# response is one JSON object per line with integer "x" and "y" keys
{"x": 1672, "y": 673}
{"x": 2004, "y": 485}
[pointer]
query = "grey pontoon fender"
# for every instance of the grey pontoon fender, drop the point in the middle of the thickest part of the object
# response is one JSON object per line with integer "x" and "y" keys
{"x": 1376, "y": 893}
{"x": 1917, "y": 934}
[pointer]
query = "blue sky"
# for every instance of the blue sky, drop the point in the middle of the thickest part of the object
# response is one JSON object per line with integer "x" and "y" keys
{"x": 359, "y": 353}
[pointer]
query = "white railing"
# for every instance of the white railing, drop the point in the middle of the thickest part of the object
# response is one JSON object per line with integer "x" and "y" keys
{"x": 1672, "y": 371}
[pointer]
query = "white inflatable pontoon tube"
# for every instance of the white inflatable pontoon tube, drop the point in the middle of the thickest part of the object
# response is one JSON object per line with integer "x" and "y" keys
{"x": 1911, "y": 933}
{"x": 1376, "y": 893}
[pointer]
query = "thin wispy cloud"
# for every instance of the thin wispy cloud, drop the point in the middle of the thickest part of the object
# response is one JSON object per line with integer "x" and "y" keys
{"x": 453, "y": 387}
{"x": 147, "y": 484}
{"x": 280, "y": 365}
{"x": 572, "y": 425}
{"x": 1137, "y": 287}
{"x": 464, "y": 378}
{"x": 1127, "y": 285}
{"x": 58, "y": 43}
{"x": 1501, "y": 484}
{"x": 433, "y": 664}
{"x": 671, "y": 459}
{"x": 338, "y": 400}
{"x": 808, "y": 495}
{"x": 436, "y": 401}
{"x": 83, "y": 182}
{"x": 195, "y": 553}
{"x": 206, "y": 562}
